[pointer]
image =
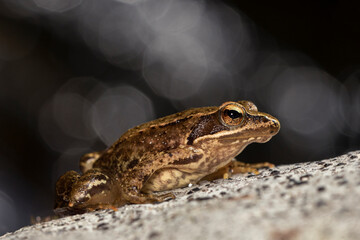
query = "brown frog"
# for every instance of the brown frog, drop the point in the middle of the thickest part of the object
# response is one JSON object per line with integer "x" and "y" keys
{"x": 164, "y": 154}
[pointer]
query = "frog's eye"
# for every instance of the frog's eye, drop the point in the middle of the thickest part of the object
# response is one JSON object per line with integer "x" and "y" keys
{"x": 232, "y": 115}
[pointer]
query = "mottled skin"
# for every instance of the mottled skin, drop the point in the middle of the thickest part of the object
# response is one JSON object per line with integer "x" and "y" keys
{"x": 164, "y": 154}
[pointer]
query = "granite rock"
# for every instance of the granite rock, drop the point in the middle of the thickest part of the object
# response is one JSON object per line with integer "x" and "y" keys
{"x": 312, "y": 200}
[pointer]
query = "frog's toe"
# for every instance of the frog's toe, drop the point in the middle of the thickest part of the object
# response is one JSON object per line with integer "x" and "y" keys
{"x": 140, "y": 198}
{"x": 241, "y": 167}
{"x": 158, "y": 198}
{"x": 164, "y": 197}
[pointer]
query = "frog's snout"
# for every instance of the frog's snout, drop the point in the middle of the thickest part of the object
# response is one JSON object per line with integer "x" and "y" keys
{"x": 275, "y": 125}
{"x": 270, "y": 123}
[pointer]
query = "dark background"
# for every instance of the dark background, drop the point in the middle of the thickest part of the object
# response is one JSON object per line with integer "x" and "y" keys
{"x": 74, "y": 75}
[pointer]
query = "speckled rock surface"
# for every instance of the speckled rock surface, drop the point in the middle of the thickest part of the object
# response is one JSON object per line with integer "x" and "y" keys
{"x": 317, "y": 200}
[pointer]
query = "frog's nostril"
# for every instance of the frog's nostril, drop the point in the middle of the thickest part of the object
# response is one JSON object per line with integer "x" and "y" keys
{"x": 273, "y": 121}
{"x": 274, "y": 124}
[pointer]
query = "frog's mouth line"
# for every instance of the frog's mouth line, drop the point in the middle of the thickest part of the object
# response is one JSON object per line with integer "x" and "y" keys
{"x": 258, "y": 139}
{"x": 241, "y": 140}
{"x": 246, "y": 137}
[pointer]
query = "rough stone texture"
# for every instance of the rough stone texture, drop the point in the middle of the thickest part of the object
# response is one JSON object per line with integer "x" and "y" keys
{"x": 314, "y": 200}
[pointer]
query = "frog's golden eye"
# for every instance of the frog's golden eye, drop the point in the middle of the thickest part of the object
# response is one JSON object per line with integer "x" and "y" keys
{"x": 232, "y": 115}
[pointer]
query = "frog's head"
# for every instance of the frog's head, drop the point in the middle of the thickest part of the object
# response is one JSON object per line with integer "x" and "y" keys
{"x": 245, "y": 122}
{"x": 234, "y": 124}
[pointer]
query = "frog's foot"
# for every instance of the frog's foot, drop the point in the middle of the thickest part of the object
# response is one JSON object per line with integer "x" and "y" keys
{"x": 235, "y": 167}
{"x": 140, "y": 198}
{"x": 163, "y": 197}
{"x": 241, "y": 167}
{"x": 101, "y": 206}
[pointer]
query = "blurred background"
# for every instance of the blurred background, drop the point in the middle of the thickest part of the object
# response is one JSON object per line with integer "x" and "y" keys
{"x": 76, "y": 74}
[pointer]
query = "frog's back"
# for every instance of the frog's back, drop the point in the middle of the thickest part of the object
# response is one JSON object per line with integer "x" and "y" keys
{"x": 151, "y": 138}
{"x": 169, "y": 120}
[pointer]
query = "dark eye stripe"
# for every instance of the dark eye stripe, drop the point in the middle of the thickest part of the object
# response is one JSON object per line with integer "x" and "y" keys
{"x": 207, "y": 125}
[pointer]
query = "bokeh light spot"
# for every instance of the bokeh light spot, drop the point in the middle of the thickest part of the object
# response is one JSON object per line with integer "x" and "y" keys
{"x": 122, "y": 36}
{"x": 170, "y": 16}
{"x": 175, "y": 66}
{"x": 71, "y": 111}
{"x": 65, "y": 120}
{"x": 57, "y": 5}
{"x": 118, "y": 110}
{"x": 218, "y": 87}
{"x": 305, "y": 100}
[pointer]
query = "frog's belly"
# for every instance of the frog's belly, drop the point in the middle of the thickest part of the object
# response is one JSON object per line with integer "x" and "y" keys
{"x": 169, "y": 178}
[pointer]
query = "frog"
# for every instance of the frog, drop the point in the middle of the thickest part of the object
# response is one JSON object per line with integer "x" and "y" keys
{"x": 150, "y": 160}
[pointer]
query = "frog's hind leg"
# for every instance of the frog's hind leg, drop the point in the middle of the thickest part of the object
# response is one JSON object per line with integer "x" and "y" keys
{"x": 95, "y": 189}
{"x": 235, "y": 167}
{"x": 87, "y": 161}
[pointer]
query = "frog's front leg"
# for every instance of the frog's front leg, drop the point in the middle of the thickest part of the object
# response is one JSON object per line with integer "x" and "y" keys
{"x": 95, "y": 189}
{"x": 87, "y": 160}
{"x": 235, "y": 167}
{"x": 131, "y": 190}
{"x": 63, "y": 188}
